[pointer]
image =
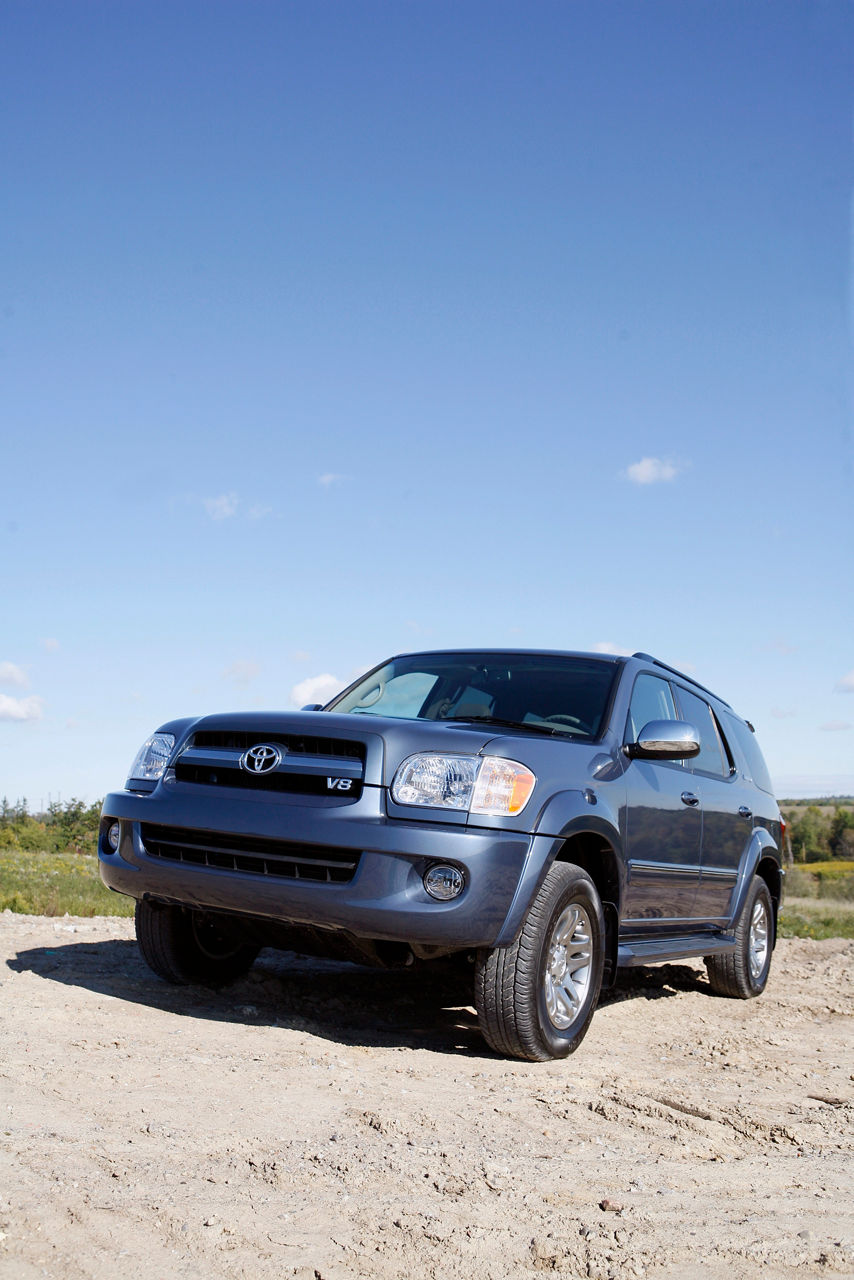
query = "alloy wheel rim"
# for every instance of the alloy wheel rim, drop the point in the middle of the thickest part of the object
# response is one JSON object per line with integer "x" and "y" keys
{"x": 568, "y": 969}
{"x": 757, "y": 949}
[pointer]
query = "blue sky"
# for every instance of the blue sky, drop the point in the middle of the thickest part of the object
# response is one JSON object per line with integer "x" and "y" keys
{"x": 331, "y": 331}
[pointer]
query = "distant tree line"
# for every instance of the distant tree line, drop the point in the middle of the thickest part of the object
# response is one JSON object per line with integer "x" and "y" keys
{"x": 816, "y": 834}
{"x": 71, "y": 827}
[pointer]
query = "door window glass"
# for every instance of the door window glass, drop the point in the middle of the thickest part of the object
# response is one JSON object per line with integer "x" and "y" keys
{"x": 699, "y": 714}
{"x": 651, "y": 700}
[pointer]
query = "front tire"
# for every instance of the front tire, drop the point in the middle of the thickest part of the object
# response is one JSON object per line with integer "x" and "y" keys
{"x": 743, "y": 973}
{"x": 535, "y": 999}
{"x": 185, "y": 947}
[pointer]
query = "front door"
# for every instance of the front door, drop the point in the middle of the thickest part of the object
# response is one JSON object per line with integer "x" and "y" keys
{"x": 663, "y": 824}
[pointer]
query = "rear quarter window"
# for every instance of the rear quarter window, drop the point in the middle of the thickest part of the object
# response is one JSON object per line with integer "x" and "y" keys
{"x": 745, "y": 743}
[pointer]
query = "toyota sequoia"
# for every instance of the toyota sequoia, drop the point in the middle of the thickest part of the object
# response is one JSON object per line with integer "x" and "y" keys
{"x": 554, "y": 816}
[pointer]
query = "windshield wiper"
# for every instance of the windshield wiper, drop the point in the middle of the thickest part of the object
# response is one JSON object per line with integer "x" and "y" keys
{"x": 548, "y": 730}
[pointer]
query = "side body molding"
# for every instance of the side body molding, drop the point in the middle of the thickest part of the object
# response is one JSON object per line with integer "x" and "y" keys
{"x": 567, "y": 814}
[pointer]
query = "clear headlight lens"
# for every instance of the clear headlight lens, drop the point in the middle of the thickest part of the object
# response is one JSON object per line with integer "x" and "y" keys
{"x": 477, "y": 784}
{"x": 445, "y": 782}
{"x": 152, "y": 758}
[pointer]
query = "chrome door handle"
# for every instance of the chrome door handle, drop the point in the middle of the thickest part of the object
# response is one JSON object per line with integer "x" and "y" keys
{"x": 744, "y": 812}
{"x": 690, "y": 799}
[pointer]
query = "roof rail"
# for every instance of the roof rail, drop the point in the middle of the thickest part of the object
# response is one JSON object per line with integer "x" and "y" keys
{"x": 647, "y": 657}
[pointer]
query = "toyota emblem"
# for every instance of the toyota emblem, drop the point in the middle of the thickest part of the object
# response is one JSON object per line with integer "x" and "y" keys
{"x": 261, "y": 758}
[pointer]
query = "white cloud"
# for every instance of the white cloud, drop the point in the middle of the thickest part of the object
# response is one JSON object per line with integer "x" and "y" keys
{"x": 241, "y": 672}
{"x": 20, "y": 708}
{"x": 222, "y": 507}
{"x": 49, "y": 645}
{"x": 329, "y": 478}
{"x": 259, "y": 512}
{"x": 12, "y": 674}
{"x": 836, "y": 726}
{"x": 607, "y": 646}
{"x": 652, "y": 471}
{"x": 846, "y": 684}
{"x": 316, "y": 689}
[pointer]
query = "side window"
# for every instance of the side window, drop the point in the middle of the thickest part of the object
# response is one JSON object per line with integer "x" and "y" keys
{"x": 698, "y": 713}
{"x": 651, "y": 700}
{"x": 755, "y": 767}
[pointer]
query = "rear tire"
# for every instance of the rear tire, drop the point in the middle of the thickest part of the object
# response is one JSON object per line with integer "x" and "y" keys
{"x": 184, "y": 946}
{"x": 535, "y": 999}
{"x": 743, "y": 973}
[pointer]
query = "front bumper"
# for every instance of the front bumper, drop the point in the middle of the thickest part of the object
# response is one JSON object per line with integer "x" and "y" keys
{"x": 386, "y": 898}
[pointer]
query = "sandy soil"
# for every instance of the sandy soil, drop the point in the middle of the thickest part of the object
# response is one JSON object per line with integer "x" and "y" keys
{"x": 321, "y": 1120}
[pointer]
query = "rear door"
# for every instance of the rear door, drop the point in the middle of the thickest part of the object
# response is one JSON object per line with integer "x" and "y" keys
{"x": 663, "y": 822}
{"x": 726, "y": 803}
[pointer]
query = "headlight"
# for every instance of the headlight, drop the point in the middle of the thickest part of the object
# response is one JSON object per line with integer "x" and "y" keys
{"x": 152, "y": 758}
{"x": 445, "y": 782}
{"x": 477, "y": 784}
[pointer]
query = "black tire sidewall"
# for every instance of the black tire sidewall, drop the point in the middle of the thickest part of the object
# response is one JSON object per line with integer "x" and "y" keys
{"x": 582, "y": 891}
{"x": 169, "y": 944}
{"x": 758, "y": 890}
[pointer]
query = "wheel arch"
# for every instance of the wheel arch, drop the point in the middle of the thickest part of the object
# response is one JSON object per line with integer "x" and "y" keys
{"x": 769, "y": 870}
{"x": 587, "y": 840}
{"x": 596, "y": 855}
{"x": 763, "y": 860}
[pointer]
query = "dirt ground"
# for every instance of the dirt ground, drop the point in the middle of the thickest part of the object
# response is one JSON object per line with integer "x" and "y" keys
{"x": 322, "y": 1120}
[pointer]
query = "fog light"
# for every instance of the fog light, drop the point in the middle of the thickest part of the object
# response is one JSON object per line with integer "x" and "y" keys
{"x": 113, "y": 837}
{"x": 444, "y": 882}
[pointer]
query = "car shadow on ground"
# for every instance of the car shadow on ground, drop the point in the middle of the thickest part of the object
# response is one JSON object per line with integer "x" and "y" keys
{"x": 426, "y": 1006}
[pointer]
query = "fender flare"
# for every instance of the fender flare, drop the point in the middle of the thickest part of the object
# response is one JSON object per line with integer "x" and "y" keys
{"x": 567, "y": 814}
{"x": 761, "y": 847}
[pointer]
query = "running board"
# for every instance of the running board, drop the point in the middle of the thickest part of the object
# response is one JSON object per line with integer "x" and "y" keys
{"x": 639, "y": 951}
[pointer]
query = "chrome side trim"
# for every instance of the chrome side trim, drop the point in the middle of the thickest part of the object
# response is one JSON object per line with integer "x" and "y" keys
{"x": 664, "y": 868}
{"x": 719, "y": 873}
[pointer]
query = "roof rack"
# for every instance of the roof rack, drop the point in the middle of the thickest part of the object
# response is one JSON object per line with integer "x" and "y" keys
{"x": 647, "y": 657}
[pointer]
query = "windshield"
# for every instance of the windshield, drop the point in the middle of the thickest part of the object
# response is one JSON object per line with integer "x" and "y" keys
{"x": 540, "y": 692}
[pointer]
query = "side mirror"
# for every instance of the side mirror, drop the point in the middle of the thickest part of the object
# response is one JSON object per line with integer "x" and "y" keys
{"x": 665, "y": 740}
{"x": 312, "y": 706}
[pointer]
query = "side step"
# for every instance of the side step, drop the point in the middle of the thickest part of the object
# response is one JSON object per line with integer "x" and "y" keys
{"x": 641, "y": 951}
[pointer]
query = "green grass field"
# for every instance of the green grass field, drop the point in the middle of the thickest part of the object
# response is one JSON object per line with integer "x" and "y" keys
{"x": 51, "y": 884}
{"x": 816, "y": 918}
{"x": 819, "y": 902}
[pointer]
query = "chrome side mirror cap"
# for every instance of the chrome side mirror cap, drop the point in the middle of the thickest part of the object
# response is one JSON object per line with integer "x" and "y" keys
{"x": 665, "y": 740}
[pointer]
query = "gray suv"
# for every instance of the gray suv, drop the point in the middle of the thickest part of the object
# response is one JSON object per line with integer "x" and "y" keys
{"x": 554, "y": 816}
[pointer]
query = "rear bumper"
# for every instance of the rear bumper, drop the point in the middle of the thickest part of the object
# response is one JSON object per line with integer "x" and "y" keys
{"x": 385, "y": 899}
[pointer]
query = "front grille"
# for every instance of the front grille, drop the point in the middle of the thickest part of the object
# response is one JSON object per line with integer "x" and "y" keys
{"x": 282, "y": 859}
{"x": 305, "y": 784}
{"x": 299, "y": 744}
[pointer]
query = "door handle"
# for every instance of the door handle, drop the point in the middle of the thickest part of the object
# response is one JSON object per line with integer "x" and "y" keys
{"x": 744, "y": 812}
{"x": 690, "y": 799}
